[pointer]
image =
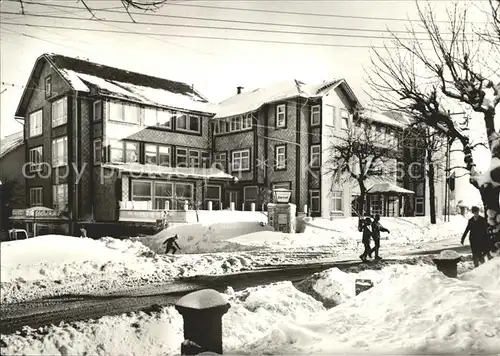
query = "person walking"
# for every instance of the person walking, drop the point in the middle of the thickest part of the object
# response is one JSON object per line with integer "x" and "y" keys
{"x": 478, "y": 229}
{"x": 376, "y": 229}
{"x": 365, "y": 227}
{"x": 171, "y": 243}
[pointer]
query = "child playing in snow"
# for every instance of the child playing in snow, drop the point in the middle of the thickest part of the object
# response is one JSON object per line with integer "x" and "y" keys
{"x": 365, "y": 227}
{"x": 171, "y": 243}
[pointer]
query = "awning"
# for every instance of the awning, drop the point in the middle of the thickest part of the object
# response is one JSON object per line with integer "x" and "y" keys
{"x": 181, "y": 172}
{"x": 388, "y": 189}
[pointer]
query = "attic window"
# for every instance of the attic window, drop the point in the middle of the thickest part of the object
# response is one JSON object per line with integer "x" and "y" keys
{"x": 48, "y": 86}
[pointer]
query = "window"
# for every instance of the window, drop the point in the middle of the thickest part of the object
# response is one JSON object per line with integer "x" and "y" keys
{"x": 181, "y": 157}
{"x": 315, "y": 156}
{"x": 131, "y": 152}
{"x": 337, "y": 201}
{"x": 48, "y": 86}
{"x": 240, "y": 160}
{"x": 35, "y": 122}
{"x": 116, "y": 111}
{"x": 194, "y": 158}
{"x": 150, "y": 117}
{"x": 281, "y": 116}
{"x": 221, "y": 161}
{"x": 131, "y": 113}
{"x": 97, "y": 151}
{"x": 194, "y": 123}
{"x": 246, "y": 122}
{"x": 345, "y": 119}
{"x": 250, "y": 195}
{"x": 183, "y": 192}
{"x": 314, "y": 201}
{"x": 59, "y": 112}
{"x": 164, "y": 118}
{"x": 205, "y": 159}
{"x": 375, "y": 205}
{"x": 419, "y": 206}
{"x": 97, "y": 110}
{"x": 280, "y": 157}
{"x": 164, "y": 192}
{"x": 281, "y": 185}
{"x": 151, "y": 154}
{"x": 164, "y": 155}
{"x": 60, "y": 197}
{"x": 124, "y": 112}
{"x": 213, "y": 194}
{"x": 315, "y": 115}
{"x": 216, "y": 126}
{"x": 36, "y": 196}
{"x": 329, "y": 115}
{"x": 236, "y": 124}
{"x": 141, "y": 191}
{"x": 36, "y": 158}
{"x": 60, "y": 151}
{"x": 116, "y": 151}
{"x": 224, "y": 126}
{"x": 188, "y": 123}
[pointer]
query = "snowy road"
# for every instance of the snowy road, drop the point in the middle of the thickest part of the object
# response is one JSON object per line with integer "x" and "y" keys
{"x": 69, "y": 308}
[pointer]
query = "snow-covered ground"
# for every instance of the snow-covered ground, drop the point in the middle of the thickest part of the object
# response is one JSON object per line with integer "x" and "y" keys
{"x": 54, "y": 265}
{"x": 410, "y": 310}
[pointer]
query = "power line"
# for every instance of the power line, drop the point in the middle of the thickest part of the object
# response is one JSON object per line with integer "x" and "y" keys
{"x": 118, "y": 27}
{"x": 297, "y": 13}
{"x": 258, "y": 23}
{"x": 221, "y": 28}
{"x": 197, "y": 36}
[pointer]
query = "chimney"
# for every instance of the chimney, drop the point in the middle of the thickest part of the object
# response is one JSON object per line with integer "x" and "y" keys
{"x": 238, "y": 89}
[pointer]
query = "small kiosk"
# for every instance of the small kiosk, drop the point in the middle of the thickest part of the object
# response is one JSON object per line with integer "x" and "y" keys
{"x": 281, "y": 213}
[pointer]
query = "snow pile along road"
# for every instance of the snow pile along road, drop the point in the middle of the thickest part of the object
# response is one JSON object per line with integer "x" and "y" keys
{"x": 55, "y": 265}
{"x": 411, "y": 310}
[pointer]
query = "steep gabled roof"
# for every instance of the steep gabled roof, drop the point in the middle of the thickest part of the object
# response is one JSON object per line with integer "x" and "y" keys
{"x": 11, "y": 142}
{"x": 252, "y": 100}
{"x": 86, "y": 76}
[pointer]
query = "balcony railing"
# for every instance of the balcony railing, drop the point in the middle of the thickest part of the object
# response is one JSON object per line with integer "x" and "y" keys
{"x": 140, "y": 211}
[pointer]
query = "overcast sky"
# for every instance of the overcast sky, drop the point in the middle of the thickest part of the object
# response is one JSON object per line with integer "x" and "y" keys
{"x": 214, "y": 66}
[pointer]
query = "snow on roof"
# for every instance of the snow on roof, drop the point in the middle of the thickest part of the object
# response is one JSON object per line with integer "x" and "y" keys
{"x": 84, "y": 75}
{"x": 387, "y": 118}
{"x": 252, "y": 100}
{"x": 387, "y": 187}
{"x": 210, "y": 173}
{"x": 11, "y": 142}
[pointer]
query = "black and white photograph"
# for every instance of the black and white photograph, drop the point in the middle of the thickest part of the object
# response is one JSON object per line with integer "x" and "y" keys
{"x": 249, "y": 177}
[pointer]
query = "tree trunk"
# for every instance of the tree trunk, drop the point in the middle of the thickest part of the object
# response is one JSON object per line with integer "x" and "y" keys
{"x": 362, "y": 198}
{"x": 432, "y": 192}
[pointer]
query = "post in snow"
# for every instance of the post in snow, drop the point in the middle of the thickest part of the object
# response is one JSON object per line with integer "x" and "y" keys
{"x": 447, "y": 262}
{"x": 202, "y": 312}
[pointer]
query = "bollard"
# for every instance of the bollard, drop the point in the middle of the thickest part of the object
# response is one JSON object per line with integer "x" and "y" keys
{"x": 202, "y": 312}
{"x": 252, "y": 207}
{"x": 362, "y": 285}
{"x": 231, "y": 206}
{"x": 209, "y": 205}
{"x": 447, "y": 261}
{"x": 186, "y": 206}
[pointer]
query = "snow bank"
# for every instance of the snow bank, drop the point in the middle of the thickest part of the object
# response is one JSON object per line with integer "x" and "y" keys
{"x": 412, "y": 310}
{"x": 54, "y": 265}
{"x": 206, "y": 237}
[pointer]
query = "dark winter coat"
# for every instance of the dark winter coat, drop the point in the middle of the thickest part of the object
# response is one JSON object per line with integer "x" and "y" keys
{"x": 367, "y": 232}
{"x": 377, "y": 228}
{"x": 478, "y": 229}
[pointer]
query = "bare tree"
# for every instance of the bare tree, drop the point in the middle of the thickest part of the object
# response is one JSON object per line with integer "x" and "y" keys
{"x": 427, "y": 85}
{"x": 429, "y": 148}
{"x": 361, "y": 153}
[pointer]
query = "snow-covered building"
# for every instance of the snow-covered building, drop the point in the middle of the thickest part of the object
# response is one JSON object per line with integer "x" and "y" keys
{"x": 108, "y": 145}
{"x": 112, "y": 147}
{"x": 280, "y": 137}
